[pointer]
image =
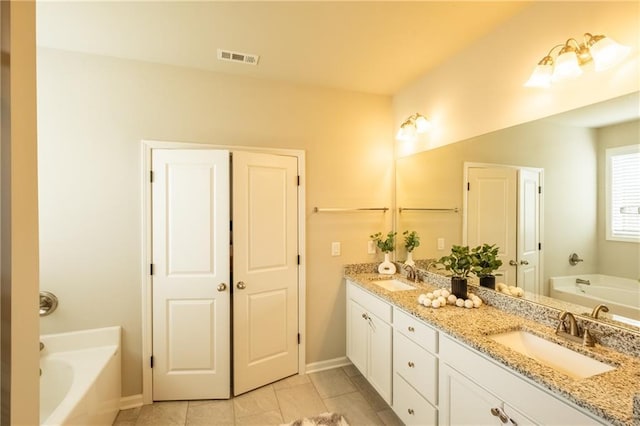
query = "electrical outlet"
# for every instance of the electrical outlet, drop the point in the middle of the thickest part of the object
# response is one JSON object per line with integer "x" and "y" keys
{"x": 371, "y": 247}
{"x": 440, "y": 243}
{"x": 335, "y": 249}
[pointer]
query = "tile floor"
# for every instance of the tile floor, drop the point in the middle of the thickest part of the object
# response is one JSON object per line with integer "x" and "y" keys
{"x": 341, "y": 390}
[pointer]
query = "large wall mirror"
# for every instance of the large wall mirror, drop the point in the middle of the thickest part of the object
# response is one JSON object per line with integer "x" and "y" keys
{"x": 568, "y": 153}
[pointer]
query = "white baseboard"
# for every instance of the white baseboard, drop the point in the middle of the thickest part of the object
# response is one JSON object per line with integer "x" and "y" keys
{"x": 132, "y": 401}
{"x": 327, "y": 365}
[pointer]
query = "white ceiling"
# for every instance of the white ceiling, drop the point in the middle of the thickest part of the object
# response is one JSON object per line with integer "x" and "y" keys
{"x": 374, "y": 47}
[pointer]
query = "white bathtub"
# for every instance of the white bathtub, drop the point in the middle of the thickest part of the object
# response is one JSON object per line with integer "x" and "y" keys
{"x": 80, "y": 380}
{"x": 621, "y": 295}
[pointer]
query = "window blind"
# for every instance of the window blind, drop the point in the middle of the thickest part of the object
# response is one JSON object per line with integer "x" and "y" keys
{"x": 624, "y": 207}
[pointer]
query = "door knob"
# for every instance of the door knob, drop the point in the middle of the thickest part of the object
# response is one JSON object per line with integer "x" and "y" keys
{"x": 222, "y": 287}
{"x": 513, "y": 263}
{"x": 524, "y": 262}
{"x": 241, "y": 285}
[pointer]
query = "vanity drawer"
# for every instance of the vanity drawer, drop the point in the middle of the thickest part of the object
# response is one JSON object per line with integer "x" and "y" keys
{"x": 410, "y": 406}
{"x": 416, "y": 330}
{"x": 371, "y": 303}
{"x": 417, "y": 366}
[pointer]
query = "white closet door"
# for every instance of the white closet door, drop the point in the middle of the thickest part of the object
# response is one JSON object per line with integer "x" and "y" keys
{"x": 191, "y": 319}
{"x": 529, "y": 231}
{"x": 491, "y": 214}
{"x": 265, "y": 269}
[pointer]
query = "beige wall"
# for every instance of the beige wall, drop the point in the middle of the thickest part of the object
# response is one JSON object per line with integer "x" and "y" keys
{"x": 20, "y": 356}
{"x": 93, "y": 113}
{"x": 617, "y": 258}
{"x": 568, "y": 156}
{"x": 480, "y": 89}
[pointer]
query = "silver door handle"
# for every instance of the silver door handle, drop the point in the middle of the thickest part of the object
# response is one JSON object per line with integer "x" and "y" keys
{"x": 222, "y": 287}
{"x": 241, "y": 285}
{"x": 513, "y": 263}
{"x": 524, "y": 262}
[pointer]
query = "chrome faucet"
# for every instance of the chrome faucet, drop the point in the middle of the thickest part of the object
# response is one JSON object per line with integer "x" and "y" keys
{"x": 411, "y": 273}
{"x": 566, "y": 319}
{"x": 598, "y": 308}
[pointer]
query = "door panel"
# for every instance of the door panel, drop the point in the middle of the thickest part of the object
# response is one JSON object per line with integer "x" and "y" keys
{"x": 265, "y": 269}
{"x": 491, "y": 214}
{"x": 529, "y": 231}
{"x": 190, "y": 230}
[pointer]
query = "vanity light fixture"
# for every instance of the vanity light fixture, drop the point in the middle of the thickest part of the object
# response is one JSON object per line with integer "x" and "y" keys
{"x": 604, "y": 52}
{"x": 417, "y": 123}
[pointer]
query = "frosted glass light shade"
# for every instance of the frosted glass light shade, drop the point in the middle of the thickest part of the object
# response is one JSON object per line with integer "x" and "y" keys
{"x": 540, "y": 77}
{"x": 566, "y": 66}
{"x": 422, "y": 124}
{"x": 606, "y": 53}
{"x": 406, "y": 133}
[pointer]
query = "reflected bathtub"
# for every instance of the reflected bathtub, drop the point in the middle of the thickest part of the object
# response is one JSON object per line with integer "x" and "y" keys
{"x": 621, "y": 295}
{"x": 80, "y": 377}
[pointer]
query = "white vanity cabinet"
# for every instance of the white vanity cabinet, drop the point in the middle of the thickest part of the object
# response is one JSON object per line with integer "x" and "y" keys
{"x": 369, "y": 338}
{"x": 475, "y": 390}
{"x": 415, "y": 368}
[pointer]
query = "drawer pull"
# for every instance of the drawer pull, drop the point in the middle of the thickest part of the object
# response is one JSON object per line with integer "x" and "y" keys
{"x": 410, "y": 410}
{"x": 411, "y": 364}
{"x": 411, "y": 329}
{"x": 365, "y": 316}
{"x": 496, "y": 412}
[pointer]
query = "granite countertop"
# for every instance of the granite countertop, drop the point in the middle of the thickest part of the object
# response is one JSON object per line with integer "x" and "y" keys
{"x": 608, "y": 395}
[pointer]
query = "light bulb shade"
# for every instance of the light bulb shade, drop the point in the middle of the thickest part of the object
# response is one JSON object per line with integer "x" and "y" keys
{"x": 406, "y": 133}
{"x": 541, "y": 76}
{"x": 607, "y": 53}
{"x": 566, "y": 65}
{"x": 422, "y": 124}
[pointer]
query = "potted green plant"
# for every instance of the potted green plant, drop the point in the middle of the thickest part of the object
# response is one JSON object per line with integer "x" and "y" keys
{"x": 386, "y": 246}
{"x": 485, "y": 262}
{"x": 411, "y": 241}
{"x": 460, "y": 263}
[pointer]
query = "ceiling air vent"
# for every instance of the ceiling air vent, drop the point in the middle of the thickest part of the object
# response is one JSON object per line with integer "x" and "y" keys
{"x": 245, "y": 58}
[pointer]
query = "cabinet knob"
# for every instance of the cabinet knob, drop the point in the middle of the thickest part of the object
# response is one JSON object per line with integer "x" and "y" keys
{"x": 411, "y": 364}
{"x": 222, "y": 287}
{"x": 365, "y": 316}
{"x": 241, "y": 285}
{"x": 411, "y": 329}
{"x": 410, "y": 410}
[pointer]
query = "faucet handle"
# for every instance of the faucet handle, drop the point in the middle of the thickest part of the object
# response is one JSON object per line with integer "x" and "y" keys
{"x": 588, "y": 339}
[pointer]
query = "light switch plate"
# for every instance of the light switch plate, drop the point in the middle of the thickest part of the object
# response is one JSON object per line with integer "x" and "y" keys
{"x": 335, "y": 248}
{"x": 371, "y": 248}
{"x": 440, "y": 243}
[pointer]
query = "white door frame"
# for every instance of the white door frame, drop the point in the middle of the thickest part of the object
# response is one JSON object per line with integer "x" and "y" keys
{"x": 465, "y": 199}
{"x": 147, "y": 321}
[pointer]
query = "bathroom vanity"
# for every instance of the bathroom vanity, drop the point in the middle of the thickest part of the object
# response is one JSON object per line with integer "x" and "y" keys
{"x": 444, "y": 366}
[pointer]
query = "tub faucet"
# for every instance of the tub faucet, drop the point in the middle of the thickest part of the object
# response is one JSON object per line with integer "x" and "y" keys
{"x": 598, "y": 308}
{"x": 581, "y": 281}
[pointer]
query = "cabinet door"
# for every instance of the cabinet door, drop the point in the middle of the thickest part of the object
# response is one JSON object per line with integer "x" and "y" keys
{"x": 463, "y": 402}
{"x": 380, "y": 350}
{"x": 357, "y": 336}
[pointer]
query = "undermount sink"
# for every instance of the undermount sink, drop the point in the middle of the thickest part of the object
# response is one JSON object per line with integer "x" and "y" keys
{"x": 560, "y": 358}
{"x": 393, "y": 285}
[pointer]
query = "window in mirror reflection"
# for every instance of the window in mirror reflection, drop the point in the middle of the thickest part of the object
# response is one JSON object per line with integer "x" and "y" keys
{"x": 623, "y": 193}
